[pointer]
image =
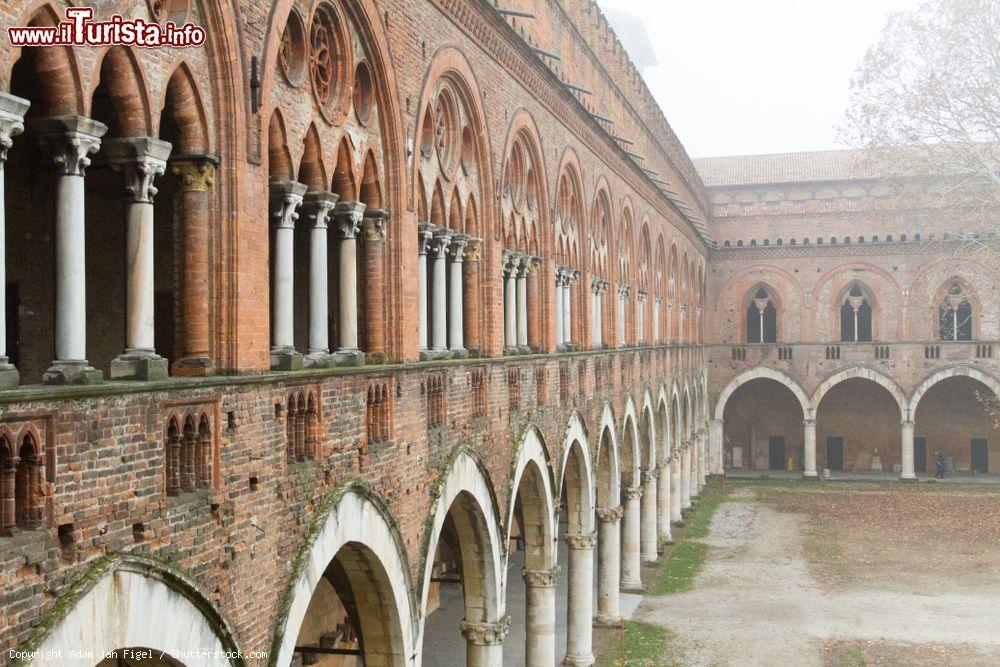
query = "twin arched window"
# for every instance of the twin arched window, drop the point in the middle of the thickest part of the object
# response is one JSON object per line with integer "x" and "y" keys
{"x": 955, "y": 314}
{"x": 762, "y": 317}
{"x": 856, "y": 316}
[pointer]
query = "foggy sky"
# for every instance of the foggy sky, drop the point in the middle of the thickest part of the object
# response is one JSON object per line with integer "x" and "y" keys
{"x": 757, "y": 76}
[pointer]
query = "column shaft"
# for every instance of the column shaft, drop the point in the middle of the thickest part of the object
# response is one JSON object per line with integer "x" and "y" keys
{"x": 580, "y": 601}
{"x": 540, "y": 617}
{"x": 809, "y": 450}
{"x": 12, "y": 110}
{"x": 648, "y": 538}
{"x": 423, "y": 238}
{"x": 471, "y": 299}
{"x": 609, "y": 566}
{"x": 567, "y": 312}
{"x": 676, "y": 483}
{"x": 374, "y": 227}
{"x": 906, "y": 469}
{"x": 456, "y": 311}
{"x": 663, "y": 502}
{"x": 560, "y": 335}
{"x": 686, "y": 476}
{"x": 631, "y": 561}
{"x": 510, "y": 305}
{"x": 439, "y": 296}
{"x": 522, "y": 303}
{"x": 715, "y": 454}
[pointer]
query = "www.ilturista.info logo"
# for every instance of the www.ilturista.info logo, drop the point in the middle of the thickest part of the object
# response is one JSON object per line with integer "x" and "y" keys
{"x": 79, "y": 29}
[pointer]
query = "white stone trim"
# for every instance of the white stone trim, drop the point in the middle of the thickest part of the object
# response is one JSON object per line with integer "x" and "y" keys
{"x": 575, "y": 433}
{"x": 531, "y": 452}
{"x": 961, "y": 370}
{"x": 867, "y": 373}
{"x": 608, "y": 422}
{"x": 353, "y": 519}
{"x": 766, "y": 373}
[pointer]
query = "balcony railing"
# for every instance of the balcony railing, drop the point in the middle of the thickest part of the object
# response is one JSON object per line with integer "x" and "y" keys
{"x": 795, "y": 354}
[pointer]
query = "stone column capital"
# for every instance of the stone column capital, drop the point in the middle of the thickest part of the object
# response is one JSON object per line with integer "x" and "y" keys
{"x": 511, "y": 259}
{"x": 473, "y": 249}
{"x": 640, "y": 296}
{"x": 317, "y": 205}
{"x": 610, "y": 514}
{"x": 347, "y": 215}
{"x": 70, "y": 140}
{"x": 196, "y": 172}
{"x": 541, "y": 578}
{"x": 671, "y": 302}
{"x": 633, "y": 492}
{"x": 286, "y": 196}
{"x": 658, "y": 299}
{"x": 12, "y": 110}
{"x": 425, "y": 232}
{"x": 457, "y": 247}
{"x": 605, "y": 285}
{"x": 375, "y": 224}
{"x": 624, "y": 291}
{"x": 906, "y": 423}
{"x": 596, "y": 284}
{"x": 580, "y": 541}
{"x": 440, "y": 242}
{"x": 808, "y": 423}
{"x": 485, "y": 633}
{"x": 650, "y": 475}
{"x": 140, "y": 160}
{"x": 524, "y": 266}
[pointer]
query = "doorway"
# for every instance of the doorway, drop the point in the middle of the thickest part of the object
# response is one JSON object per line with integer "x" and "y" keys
{"x": 980, "y": 455}
{"x": 776, "y": 452}
{"x": 920, "y": 454}
{"x": 835, "y": 453}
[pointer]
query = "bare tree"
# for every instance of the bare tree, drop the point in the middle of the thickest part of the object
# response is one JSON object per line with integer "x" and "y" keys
{"x": 925, "y": 102}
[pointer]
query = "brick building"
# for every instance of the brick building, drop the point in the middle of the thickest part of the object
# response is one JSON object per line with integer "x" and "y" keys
{"x": 359, "y": 300}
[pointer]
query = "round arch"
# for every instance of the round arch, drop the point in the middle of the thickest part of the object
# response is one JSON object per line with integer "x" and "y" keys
{"x": 576, "y": 447}
{"x": 950, "y": 372}
{"x": 532, "y": 465}
{"x": 613, "y": 490}
{"x": 352, "y": 517}
{"x": 663, "y": 409}
{"x": 466, "y": 487}
{"x": 866, "y": 373}
{"x": 756, "y": 373}
{"x": 650, "y": 415}
{"x": 630, "y": 424}
{"x": 127, "y": 591}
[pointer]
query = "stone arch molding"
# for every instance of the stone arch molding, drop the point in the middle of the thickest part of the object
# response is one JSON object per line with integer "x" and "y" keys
{"x": 113, "y": 605}
{"x": 663, "y": 405}
{"x": 866, "y": 373}
{"x": 950, "y": 372}
{"x": 762, "y": 372}
{"x": 608, "y": 423}
{"x": 650, "y": 413}
{"x": 465, "y": 477}
{"x": 355, "y": 517}
{"x": 575, "y": 432}
{"x": 531, "y": 451}
{"x": 631, "y": 418}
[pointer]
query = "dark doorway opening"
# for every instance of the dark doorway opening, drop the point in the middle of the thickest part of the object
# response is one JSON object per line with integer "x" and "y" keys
{"x": 980, "y": 455}
{"x": 776, "y": 453}
{"x": 835, "y": 453}
{"x": 920, "y": 454}
{"x": 13, "y": 324}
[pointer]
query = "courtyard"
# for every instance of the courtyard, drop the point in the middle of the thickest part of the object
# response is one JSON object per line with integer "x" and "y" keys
{"x": 800, "y": 573}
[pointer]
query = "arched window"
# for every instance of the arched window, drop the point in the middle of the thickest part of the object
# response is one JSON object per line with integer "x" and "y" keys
{"x": 762, "y": 318}
{"x": 856, "y": 316}
{"x": 955, "y": 314}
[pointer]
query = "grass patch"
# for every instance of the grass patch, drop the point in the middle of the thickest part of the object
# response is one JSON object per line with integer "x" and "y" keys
{"x": 645, "y": 646}
{"x": 682, "y": 563}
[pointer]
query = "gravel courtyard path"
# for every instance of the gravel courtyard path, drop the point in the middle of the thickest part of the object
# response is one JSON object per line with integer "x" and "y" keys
{"x": 755, "y": 603}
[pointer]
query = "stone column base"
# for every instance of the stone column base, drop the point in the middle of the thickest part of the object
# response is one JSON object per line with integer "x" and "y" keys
{"x": 193, "y": 367}
{"x": 139, "y": 366}
{"x": 632, "y": 586}
{"x": 578, "y": 661}
{"x": 286, "y": 360}
{"x": 434, "y": 355}
{"x": 810, "y": 476}
{"x": 649, "y": 558}
{"x": 908, "y": 479}
{"x": 318, "y": 360}
{"x": 605, "y": 621}
{"x": 353, "y": 357}
{"x": 10, "y": 378}
{"x": 72, "y": 372}
{"x": 459, "y": 354}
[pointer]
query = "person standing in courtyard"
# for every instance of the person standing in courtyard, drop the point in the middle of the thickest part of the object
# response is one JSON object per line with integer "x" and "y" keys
{"x": 939, "y": 466}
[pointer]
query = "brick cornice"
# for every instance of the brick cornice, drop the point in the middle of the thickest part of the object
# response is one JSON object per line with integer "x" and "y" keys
{"x": 496, "y": 38}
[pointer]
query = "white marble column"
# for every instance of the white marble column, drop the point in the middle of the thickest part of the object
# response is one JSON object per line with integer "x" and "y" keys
{"x": 569, "y": 278}
{"x": 69, "y": 141}
{"x": 595, "y": 288}
{"x": 906, "y": 469}
{"x": 640, "y": 319}
{"x": 484, "y": 642}
{"x": 809, "y": 449}
{"x": 580, "y": 601}
{"x": 456, "y": 310}
{"x": 347, "y": 216}
{"x": 631, "y": 561}
{"x": 695, "y": 464}
{"x": 560, "y": 332}
{"x": 663, "y": 501}
{"x": 648, "y": 540}
{"x": 522, "y": 302}
{"x": 12, "y": 110}
{"x": 609, "y": 565}
{"x": 511, "y": 262}
{"x": 318, "y": 206}
{"x": 670, "y": 322}
{"x": 425, "y": 232}
{"x": 439, "y": 287}
{"x": 657, "y": 334}
{"x": 675, "y": 484}
{"x": 540, "y": 617}
{"x": 140, "y": 160}
{"x": 715, "y": 453}
{"x": 623, "y": 292}
{"x": 285, "y": 200}
{"x": 686, "y": 475}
